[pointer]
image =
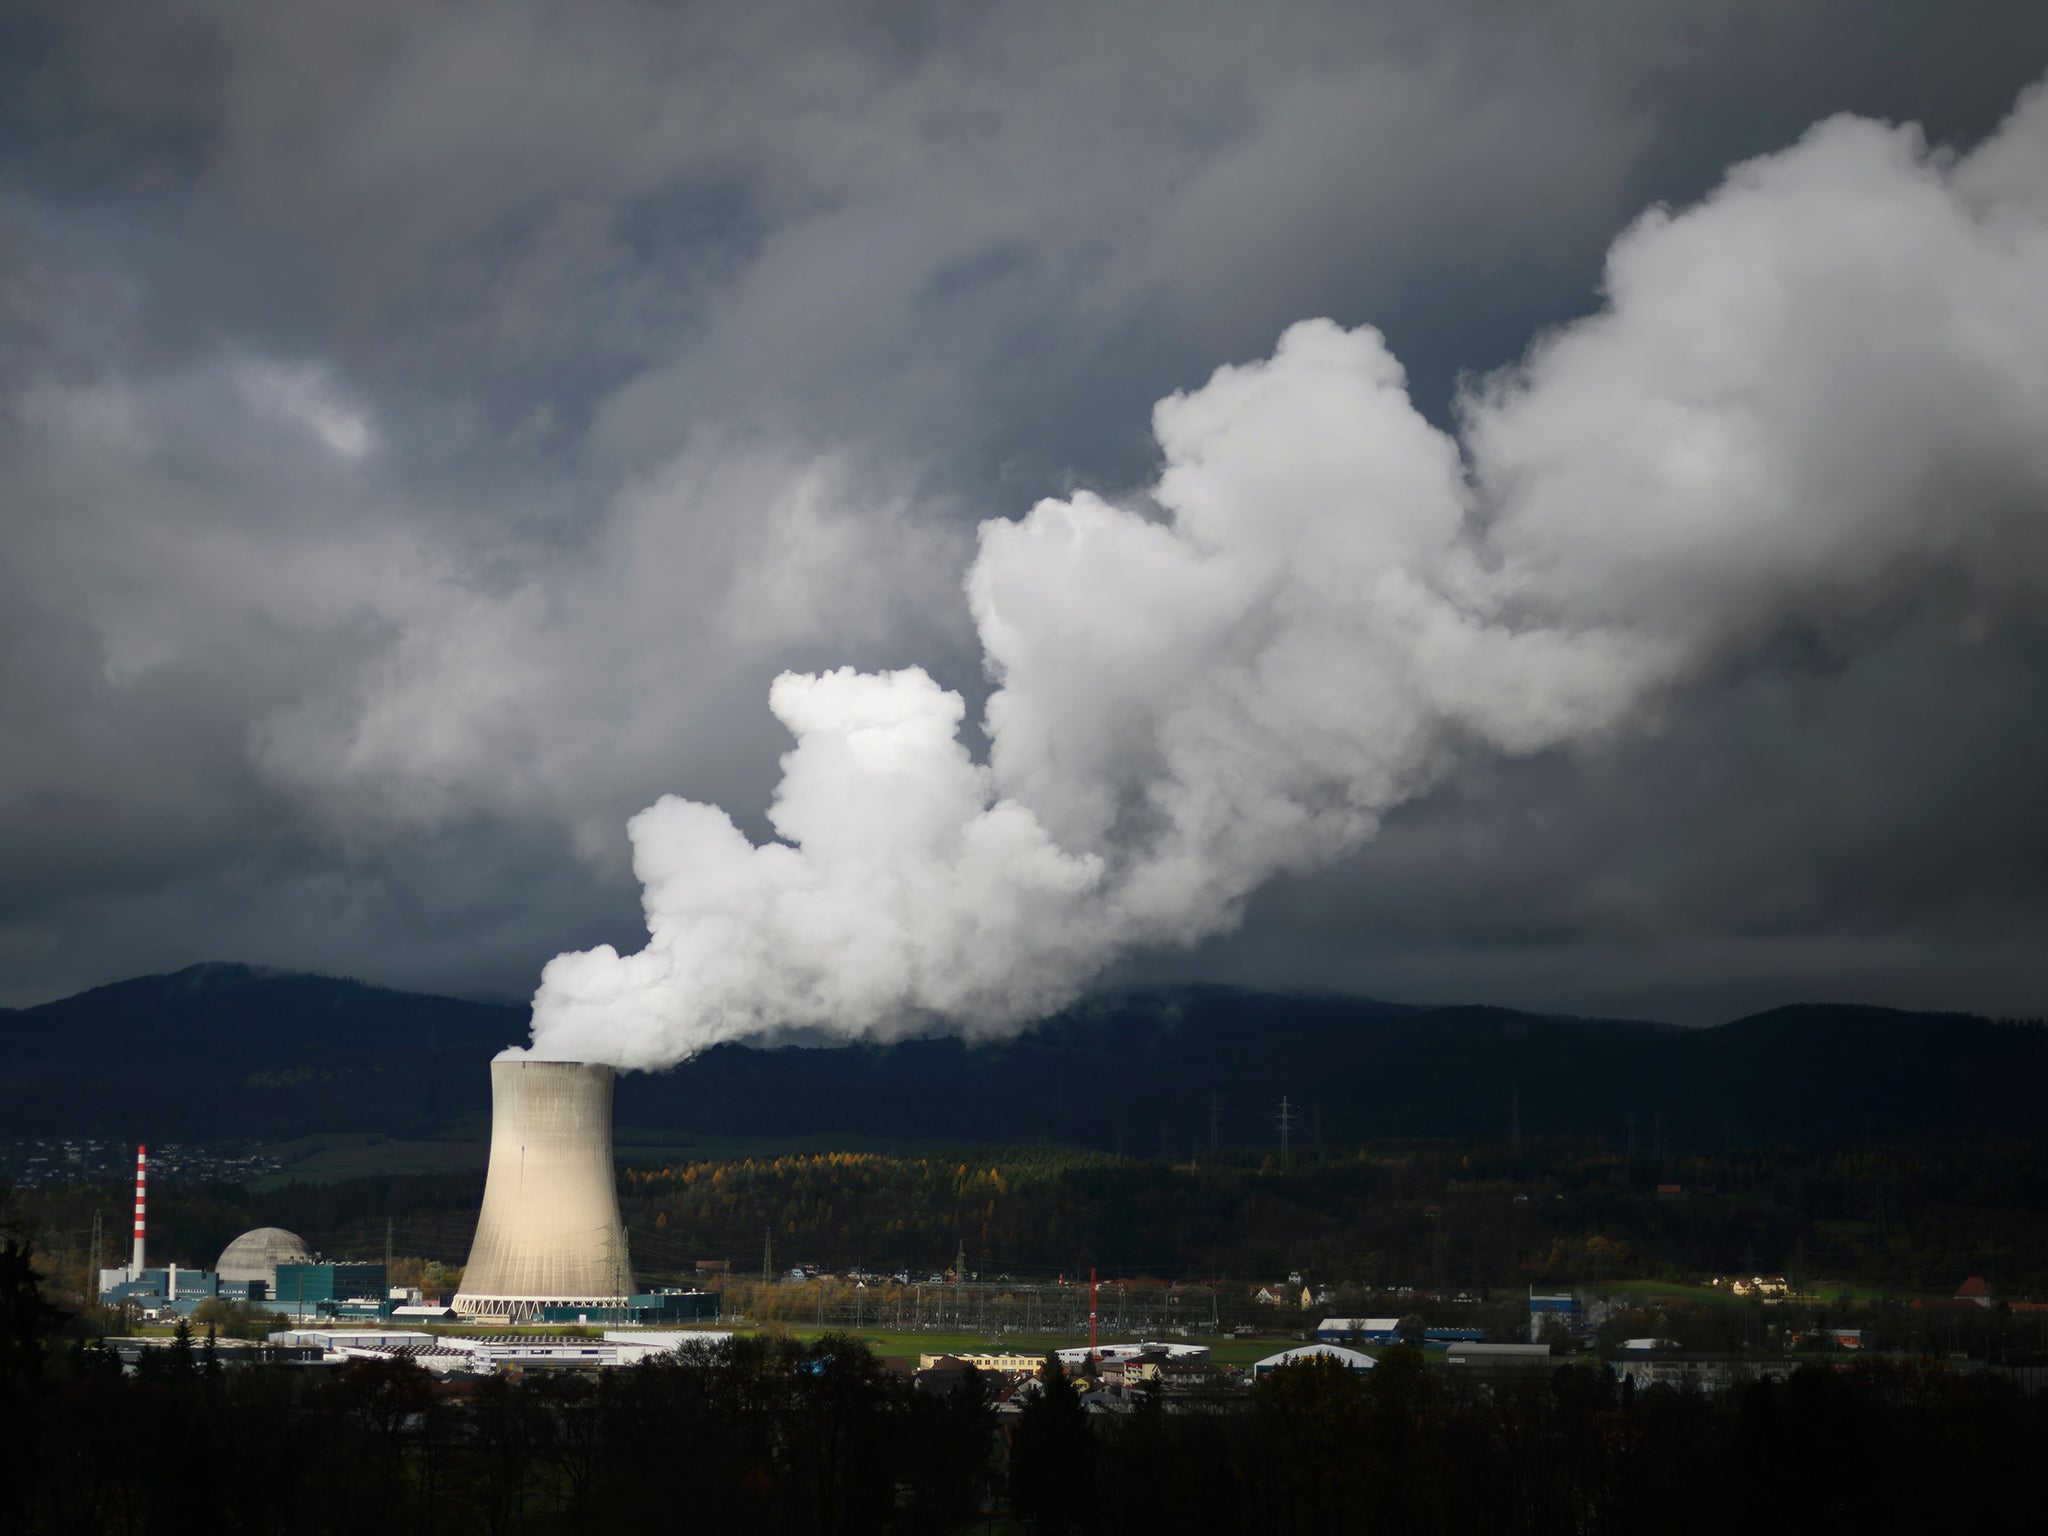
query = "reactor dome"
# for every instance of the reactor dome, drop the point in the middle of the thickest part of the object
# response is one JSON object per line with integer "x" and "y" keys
{"x": 256, "y": 1255}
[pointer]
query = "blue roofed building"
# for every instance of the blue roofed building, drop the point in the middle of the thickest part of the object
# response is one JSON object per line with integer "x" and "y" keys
{"x": 1359, "y": 1330}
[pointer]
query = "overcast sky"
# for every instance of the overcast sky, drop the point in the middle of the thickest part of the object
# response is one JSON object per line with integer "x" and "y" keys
{"x": 426, "y": 431}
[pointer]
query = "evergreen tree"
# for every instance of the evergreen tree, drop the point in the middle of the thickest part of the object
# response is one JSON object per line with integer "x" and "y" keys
{"x": 180, "y": 1358}
{"x": 28, "y": 1319}
{"x": 1052, "y": 1454}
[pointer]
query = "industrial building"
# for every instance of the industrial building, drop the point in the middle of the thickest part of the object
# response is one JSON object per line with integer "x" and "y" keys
{"x": 1074, "y": 1359}
{"x": 549, "y": 1241}
{"x": 1444, "y": 1338}
{"x": 357, "y": 1293}
{"x": 1492, "y": 1364}
{"x": 1007, "y": 1364}
{"x": 1350, "y": 1359}
{"x": 135, "y": 1281}
{"x": 331, "y": 1290}
{"x": 252, "y": 1259}
{"x": 1159, "y": 1370}
{"x": 448, "y": 1354}
{"x": 1361, "y": 1330}
{"x": 655, "y": 1308}
{"x": 173, "y": 1289}
{"x": 166, "y": 1291}
{"x": 1543, "y": 1310}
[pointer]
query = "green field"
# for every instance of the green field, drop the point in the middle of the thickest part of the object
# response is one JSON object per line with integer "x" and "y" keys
{"x": 1640, "y": 1292}
{"x": 332, "y": 1158}
{"x": 1861, "y": 1295}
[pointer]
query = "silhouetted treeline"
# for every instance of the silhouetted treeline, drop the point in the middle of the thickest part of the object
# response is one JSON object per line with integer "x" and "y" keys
{"x": 1873, "y": 1448}
{"x": 770, "y": 1436}
{"x": 765, "y": 1434}
{"x": 758, "y": 1435}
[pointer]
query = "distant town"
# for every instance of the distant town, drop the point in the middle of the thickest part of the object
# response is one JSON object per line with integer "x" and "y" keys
{"x": 35, "y": 1162}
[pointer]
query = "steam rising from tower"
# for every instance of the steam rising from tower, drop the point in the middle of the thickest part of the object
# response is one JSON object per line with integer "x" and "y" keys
{"x": 549, "y": 1234}
{"x": 1813, "y": 404}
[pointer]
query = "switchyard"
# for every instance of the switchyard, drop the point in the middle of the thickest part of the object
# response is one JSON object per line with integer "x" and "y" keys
{"x": 1124, "y": 1308}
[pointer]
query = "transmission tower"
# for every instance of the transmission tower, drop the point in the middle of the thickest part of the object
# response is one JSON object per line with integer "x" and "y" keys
{"x": 1286, "y": 1128}
{"x": 767, "y": 1254}
{"x": 1212, "y": 1121}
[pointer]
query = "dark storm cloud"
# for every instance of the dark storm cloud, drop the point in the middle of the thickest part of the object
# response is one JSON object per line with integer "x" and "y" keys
{"x": 427, "y": 430}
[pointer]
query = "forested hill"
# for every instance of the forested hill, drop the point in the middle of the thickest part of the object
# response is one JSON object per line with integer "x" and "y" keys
{"x": 222, "y": 1052}
{"x": 1141, "y": 1074}
{"x": 228, "y": 1052}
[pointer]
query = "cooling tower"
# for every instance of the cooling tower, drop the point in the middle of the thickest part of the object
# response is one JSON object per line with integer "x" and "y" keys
{"x": 549, "y": 1234}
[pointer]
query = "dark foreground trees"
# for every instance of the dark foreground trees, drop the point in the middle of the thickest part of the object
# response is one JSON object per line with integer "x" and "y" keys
{"x": 1867, "y": 1448}
{"x": 1052, "y": 1451}
{"x": 758, "y": 1435}
{"x": 768, "y": 1435}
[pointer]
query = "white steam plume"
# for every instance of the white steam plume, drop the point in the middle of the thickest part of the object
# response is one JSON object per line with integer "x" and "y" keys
{"x": 1820, "y": 392}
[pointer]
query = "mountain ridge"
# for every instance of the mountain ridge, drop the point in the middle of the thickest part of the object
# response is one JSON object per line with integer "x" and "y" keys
{"x": 228, "y": 1052}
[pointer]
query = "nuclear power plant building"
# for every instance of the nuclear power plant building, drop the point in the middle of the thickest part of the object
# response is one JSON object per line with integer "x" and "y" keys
{"x": 253, "y": 1257}
{"x": 549, "y": 1242}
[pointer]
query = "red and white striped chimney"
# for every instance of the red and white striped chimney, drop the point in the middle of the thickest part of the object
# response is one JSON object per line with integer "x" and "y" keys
{"x": 141, "y": 1184}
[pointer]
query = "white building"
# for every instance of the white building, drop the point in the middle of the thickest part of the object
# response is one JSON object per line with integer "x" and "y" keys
{"x": 445, "y": 1354}
{"x": 1074, "y": 1359}
{"x": 1350, "y": 1359}
{"x": 1369, "y": 1330}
